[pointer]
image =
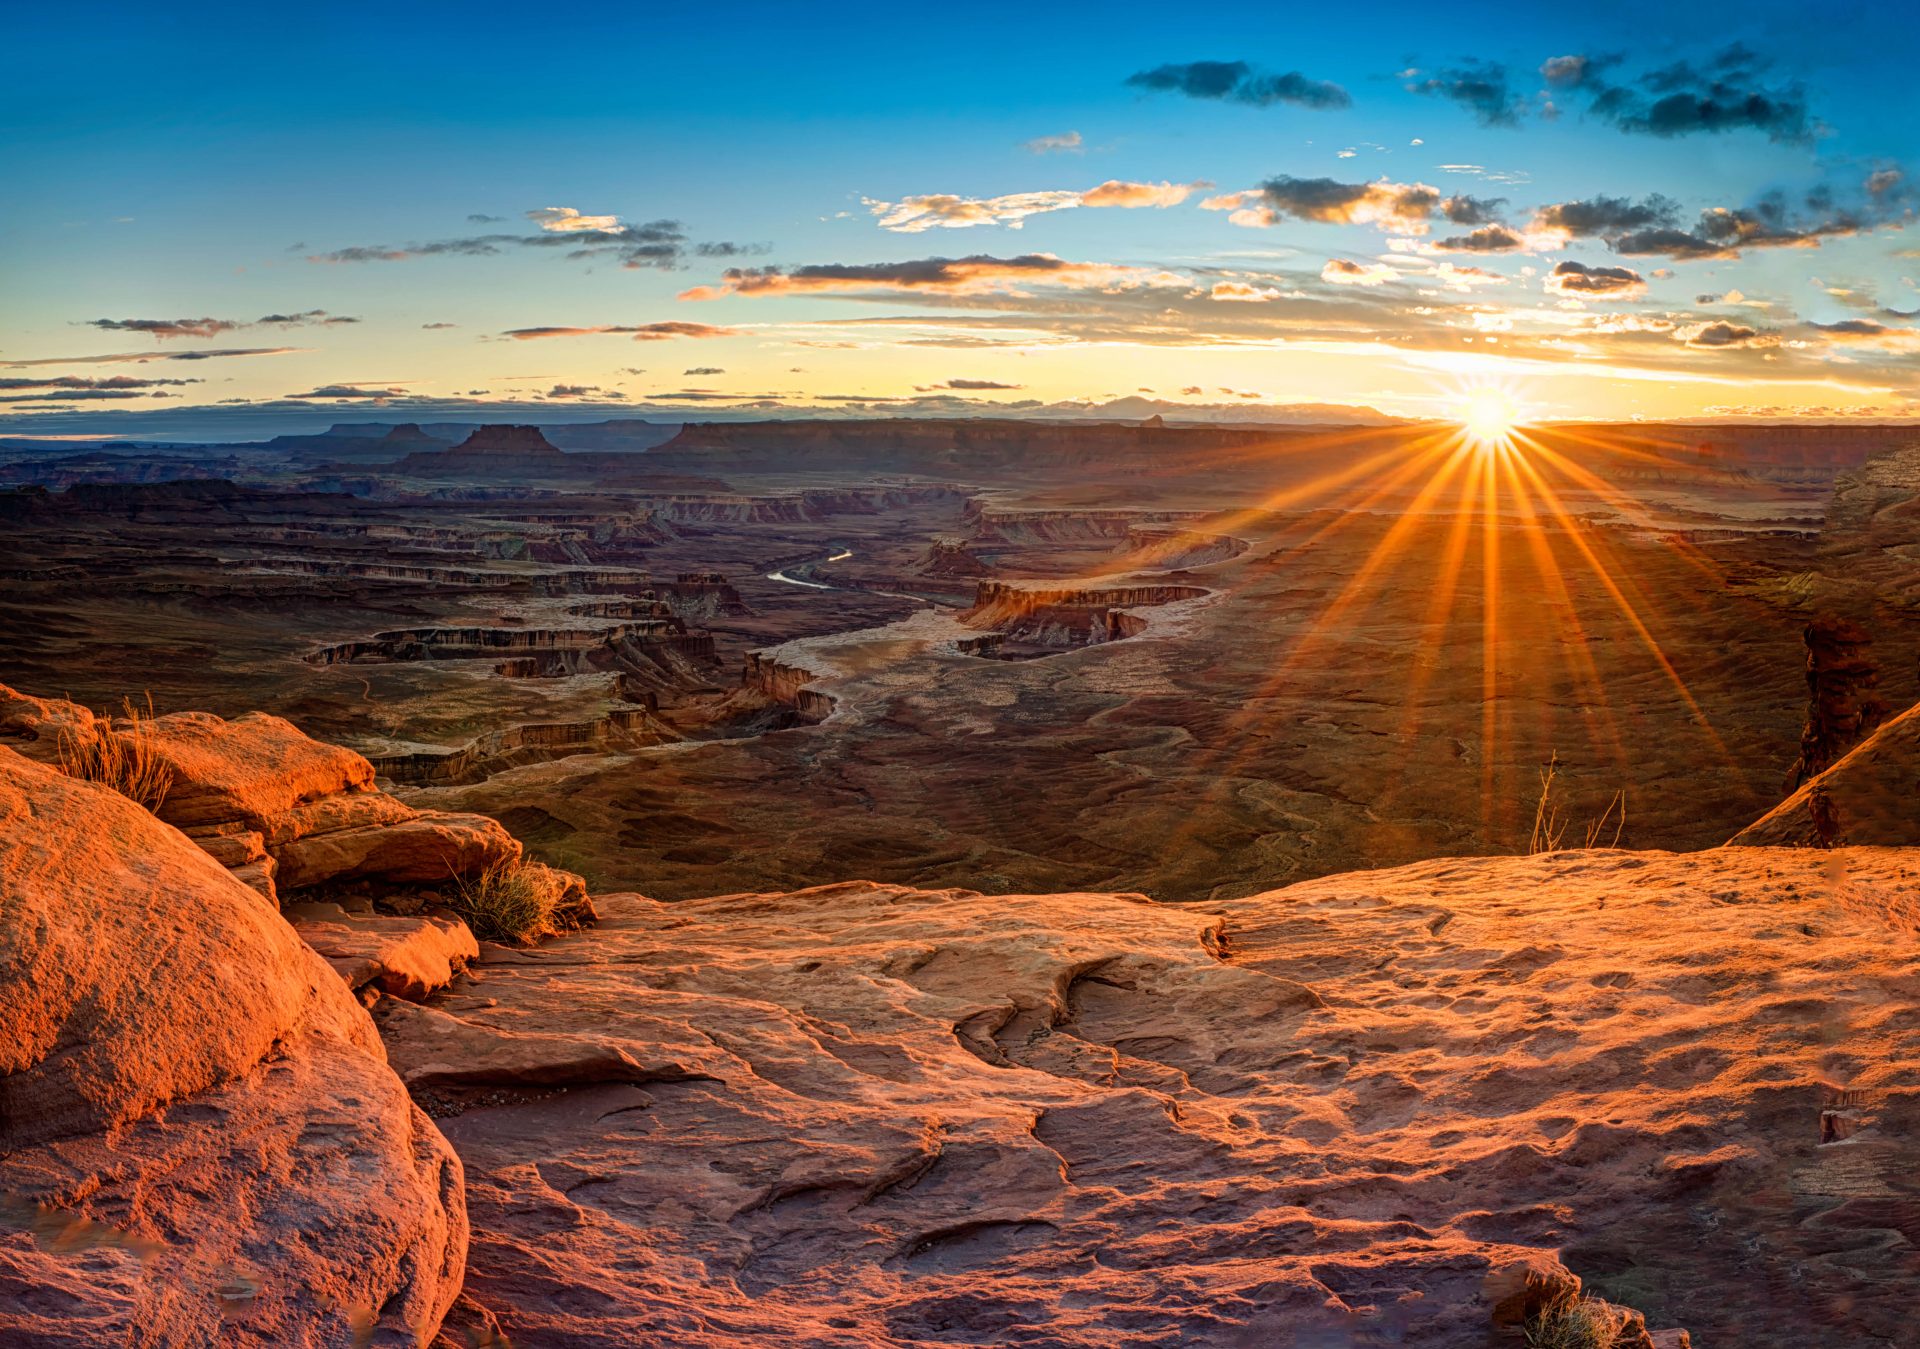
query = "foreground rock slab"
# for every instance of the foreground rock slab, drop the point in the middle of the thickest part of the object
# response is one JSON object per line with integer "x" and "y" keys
{"x": 200, "y": 1139}
{"x": 866, "y": 1115}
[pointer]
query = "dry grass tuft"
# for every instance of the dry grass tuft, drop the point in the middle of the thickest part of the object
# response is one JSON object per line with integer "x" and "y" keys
{"x": 511, "y": 902}
{"x": 1550, "y": 825}
{"x": 1576, "y": 1323}
{"x": 122, "y": 759}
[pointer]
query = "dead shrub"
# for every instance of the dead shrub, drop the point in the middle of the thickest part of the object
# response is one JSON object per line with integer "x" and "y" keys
{"x": 121, "y": 758}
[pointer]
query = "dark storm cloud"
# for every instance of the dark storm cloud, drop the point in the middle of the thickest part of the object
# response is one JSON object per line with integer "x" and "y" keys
{"x": 1491, "y": 239}
{"x": 1238, "y": 82}
{"x": 1577, "y": 279}
{"x": 1484, "y": 88}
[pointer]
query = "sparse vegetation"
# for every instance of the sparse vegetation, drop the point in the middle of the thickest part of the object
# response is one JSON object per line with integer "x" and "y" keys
{"x": 1576, "y": 1323}
{"x": 511, "y": 902}
{"x": 1550, "y": 823}
{"x": 121, "y": 759}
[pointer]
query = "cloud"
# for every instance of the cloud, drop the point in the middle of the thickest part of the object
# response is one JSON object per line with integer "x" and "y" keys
{"x": 642, "y": 332}
{"x": 1398, "y": 208}
{"x": 915, "y": 215}
{"x": 311, "y": 317}
{"x": 1727, "y": 92}
{"x": 964, "y": 384}
{"x": 1578, "y": 280}
{"x": 81, "y": 396}
{"x": 1491, "y": 239}
{"x": 1462, "y": 209}
{"x": 1603, "y": 216}
{"x": 977, "y": 274}
{"x": 566, "y": 220}
{"x": 1484, "y": 88}
{"x": 1238, "y": 82}
{"x": 1670, "y": 243}
{"x": 350, "y": 391}
{"x": 1341, "y": 272}
{"x": 656, "y": 244}
{"x": 574, "y": 391}
{"x": 166, "y": 329}
{"x": 1721, "y": 334}
{"x": 1067, "y": 142}
{"x": 84, "y": 382}
{"x": 431, "y": 326}
{"x": 1241, "y": 291}
{"x": 704, "y": 370}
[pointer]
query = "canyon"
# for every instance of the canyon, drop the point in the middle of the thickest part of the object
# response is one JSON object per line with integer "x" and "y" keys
{"x": 1070, "y": 891}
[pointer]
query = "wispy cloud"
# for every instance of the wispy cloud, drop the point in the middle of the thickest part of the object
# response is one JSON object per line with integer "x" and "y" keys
{"x": 1066, "y": 143}
{"x": 915, "y": 215}
{"x": 640, "y": 332}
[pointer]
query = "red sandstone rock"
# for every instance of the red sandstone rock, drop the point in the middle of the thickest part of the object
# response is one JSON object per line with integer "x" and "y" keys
{"x": 430, "y": 848}
{"x": 865, "y": 1115}
{"x": 203, "y": 1143}
{"x": 406, "y": 957}
{"x": 252, "y": 769}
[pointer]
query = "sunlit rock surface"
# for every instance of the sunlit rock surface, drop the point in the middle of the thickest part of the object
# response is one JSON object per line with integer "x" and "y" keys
{"x": 200, "y": 1139}
{"x": 1335, "y": 1114}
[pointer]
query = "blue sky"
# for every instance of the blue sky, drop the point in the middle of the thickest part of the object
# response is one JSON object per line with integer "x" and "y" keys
{"x": 203, "y": 165}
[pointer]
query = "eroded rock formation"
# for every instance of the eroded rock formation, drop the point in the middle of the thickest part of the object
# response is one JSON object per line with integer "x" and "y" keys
{"x": 1842, "y": 704}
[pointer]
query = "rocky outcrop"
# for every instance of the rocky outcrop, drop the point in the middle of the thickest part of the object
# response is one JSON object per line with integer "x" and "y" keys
{"x": 1842, "y": 705}
{"x": 786, "y": 683}
{"x": 513, "y": 442}
{"x": 282, "y": 811}
{"x": 203, "y": 1141}
{"x": 1169, "y": 549}
{"x": 1069, "y": 616}
{"x": 951, "y": 557}
{"x": 533, "y": 742}
{"x": 403, "y": 957}
{"x": 1868, "y": 797}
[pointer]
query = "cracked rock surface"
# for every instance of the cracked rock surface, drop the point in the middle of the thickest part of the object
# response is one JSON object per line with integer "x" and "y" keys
{"x": 868, "y": 1115}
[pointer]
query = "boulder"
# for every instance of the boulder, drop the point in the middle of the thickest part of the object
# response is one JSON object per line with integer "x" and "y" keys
{"x": 203, "y": 1141}
{"x": 429, "y": 848}
{"x": 409, "y": 958}
{"x": 253, "y": 769}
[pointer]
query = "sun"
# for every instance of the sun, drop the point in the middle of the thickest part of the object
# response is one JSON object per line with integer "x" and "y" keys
{"x": 1489, "y": 417}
